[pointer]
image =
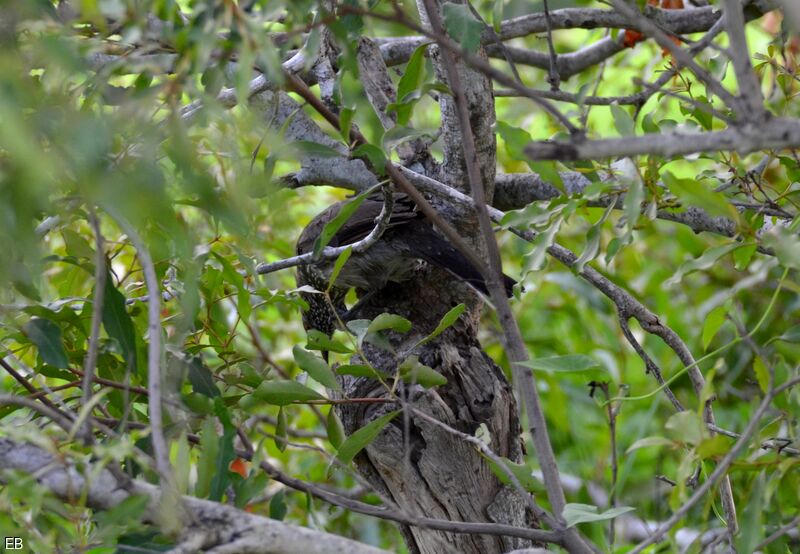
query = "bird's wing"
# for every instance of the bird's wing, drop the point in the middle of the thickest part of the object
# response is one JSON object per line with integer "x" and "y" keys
{"x": 362, "y": 222}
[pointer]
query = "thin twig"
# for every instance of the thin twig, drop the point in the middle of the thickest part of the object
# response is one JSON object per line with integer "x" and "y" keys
{"x": 552, "y": 77}
{"x": 749, "y": 86}
{"x": 783, "y": 530}
{"x": 100, "y": 275}
{"x": 160, "y": 447}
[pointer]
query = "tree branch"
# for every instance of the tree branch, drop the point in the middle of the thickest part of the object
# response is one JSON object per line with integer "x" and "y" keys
{"x": 221, "y": 527}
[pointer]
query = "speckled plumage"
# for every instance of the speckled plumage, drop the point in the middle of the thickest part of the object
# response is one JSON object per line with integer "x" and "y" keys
{"x": 409, "y": 237}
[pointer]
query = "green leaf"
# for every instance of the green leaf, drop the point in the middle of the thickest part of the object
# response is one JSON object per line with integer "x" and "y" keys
{"x": 389, "y": 321}
{"x": 536, "y": 258}
{"x": 280, "y": 430}
{"x": 405, "y": 109}
{"x": 628, "y": 174}
{"x": 358, "y": 370}
{"x": 316, "y": 367}
{"x": 233, "y": 277}
{"x": 359, "y": 328}
{"x": 686, "y": 427}
{"x": 622, "y": 121}
{"x": 413, "y": 76}
{"x": 650, "y": 441}
{"x": 791, "y": 335}
{"x": 198, "y": 403}
{"x": 743, "y": 255}
{"x": 76, "y": 245}
{"x": 411, "y": 371}
{"x": 584, "y": 513}
{"x": 462, "y": 26}
{"x": 361, "y": 438}
{"x": 202, "y": 379}
{"x": 374, "y": 154}
{"x": 317, "y": 340}
{"x": 649, "y": 125}
{"x": 786, "y": 246}
{"x": 118, "y": 323}
{"x": 548, "y": 171}
{"x": 592, "y": 241}
{"x": 338, "y": 265}
{"x": 46, "y": 335}
{"x": 497, "y": 15}
{"x": 762, "y": 374}
{"x": 307, "y": 148}
{"x": 713, "y": 323}
{"x": 206, "y": 468}
{"x": 283, "y": 393}
{"x": 521, "y": 471}
{"x": 333, "y": 226}
{"x": 226, "y": 454}
{"x": 693, "y": 193}
{"x": 277, "y": 506}
{"x": 250, "y": 488}
{"x": 515, "y": 140}
{"x": 752, "y": 524}
{"x": 346, "y": 123}
{"x": 446, "y": 322}
{"x": 705, "y": 261}
{"x": 712, "y": 447}
{"x": 570, "y": 363}
{"x": 335, "y": 429}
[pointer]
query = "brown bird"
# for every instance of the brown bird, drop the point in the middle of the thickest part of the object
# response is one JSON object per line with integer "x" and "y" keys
{"x": 408, "y": 237}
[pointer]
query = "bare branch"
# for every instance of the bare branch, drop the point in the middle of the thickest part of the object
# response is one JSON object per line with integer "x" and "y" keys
{"x": 749, "y": 86}
{"x": 100, "y": 274}
{"x": 778, "y": 134}
{"x": 222, "y": 527}
{"x": 160, "y": 447}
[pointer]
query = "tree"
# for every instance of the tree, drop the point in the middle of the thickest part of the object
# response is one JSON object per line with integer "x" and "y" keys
{"x": 158, "y": 159}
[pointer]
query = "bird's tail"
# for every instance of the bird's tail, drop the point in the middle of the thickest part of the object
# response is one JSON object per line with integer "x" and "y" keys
{"x": 437, "y": 251}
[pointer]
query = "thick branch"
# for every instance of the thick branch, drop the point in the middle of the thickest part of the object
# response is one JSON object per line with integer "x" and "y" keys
{"x": 778, "y": 134}
{"x": 222, "y": 527}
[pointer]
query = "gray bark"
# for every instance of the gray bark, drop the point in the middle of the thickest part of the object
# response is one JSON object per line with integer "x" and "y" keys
{"x": 212, "y": 527}
{"x": 422, "y": 467}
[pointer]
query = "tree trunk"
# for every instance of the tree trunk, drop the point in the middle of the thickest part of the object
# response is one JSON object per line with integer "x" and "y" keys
{"x": 422, "y": 467}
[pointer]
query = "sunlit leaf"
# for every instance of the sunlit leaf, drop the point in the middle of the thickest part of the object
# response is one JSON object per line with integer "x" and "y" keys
{"x": 316, "y": 367}
{"x": 585, "y": 513}
{"x": 46, "y": 335}
{"x": 462, "y": 26}
{"x": 283, "y": 393}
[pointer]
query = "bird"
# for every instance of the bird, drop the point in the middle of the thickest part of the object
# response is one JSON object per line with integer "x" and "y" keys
{"x": 408, "y": 237}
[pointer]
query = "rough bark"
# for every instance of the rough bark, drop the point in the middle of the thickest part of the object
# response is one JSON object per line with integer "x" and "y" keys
{"x": 422, "y": 467}
{"x": 212, "y": 527}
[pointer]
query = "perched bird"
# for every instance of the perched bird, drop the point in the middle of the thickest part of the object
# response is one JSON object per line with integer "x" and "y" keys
{"x": 408, "y": 237}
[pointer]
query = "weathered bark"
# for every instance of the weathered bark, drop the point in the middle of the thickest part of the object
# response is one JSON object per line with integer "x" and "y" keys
{"x": 422, "y": 467}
